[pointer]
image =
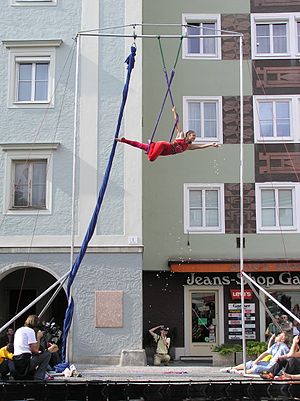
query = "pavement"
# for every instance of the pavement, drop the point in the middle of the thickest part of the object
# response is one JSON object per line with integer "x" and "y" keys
{"x": 155, "y": 373}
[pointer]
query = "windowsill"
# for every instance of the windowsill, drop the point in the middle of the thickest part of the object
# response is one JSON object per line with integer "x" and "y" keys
{"x": 19, "y": 212}
{"x": 200, "y": 57}
{"x": 31, "y": 105}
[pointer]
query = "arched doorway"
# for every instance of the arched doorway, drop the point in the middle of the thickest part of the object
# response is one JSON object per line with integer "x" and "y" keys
{"x": 22, "y": 286}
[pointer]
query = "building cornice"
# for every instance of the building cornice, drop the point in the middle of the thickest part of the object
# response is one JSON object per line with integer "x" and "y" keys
{"x": 32, "y": 43}
{"x": 29, "y": 146}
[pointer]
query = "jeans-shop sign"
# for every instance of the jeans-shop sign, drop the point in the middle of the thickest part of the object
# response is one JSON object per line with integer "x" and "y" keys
{"x": 285, "y": 278}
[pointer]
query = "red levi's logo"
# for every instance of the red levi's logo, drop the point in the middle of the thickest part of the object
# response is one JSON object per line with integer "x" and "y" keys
{"x": 236, "y": 294}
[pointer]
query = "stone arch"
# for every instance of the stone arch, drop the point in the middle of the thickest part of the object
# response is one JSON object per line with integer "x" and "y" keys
{"x": 16, "y": 293}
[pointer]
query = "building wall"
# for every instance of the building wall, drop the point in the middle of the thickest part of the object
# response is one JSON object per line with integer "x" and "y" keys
{"x": 164, "y": 236}
{"x": 113, "y": 263}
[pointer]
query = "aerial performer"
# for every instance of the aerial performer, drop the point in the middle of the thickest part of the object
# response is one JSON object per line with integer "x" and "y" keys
{"x": 183, "y": 141}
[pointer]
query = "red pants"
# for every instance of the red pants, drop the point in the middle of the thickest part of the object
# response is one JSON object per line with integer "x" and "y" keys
{"x": 156, "y": 149}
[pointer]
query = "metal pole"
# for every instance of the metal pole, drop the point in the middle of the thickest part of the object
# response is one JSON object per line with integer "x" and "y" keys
{"x": 52, "y": 298}
{"x": 69, "y": 340}
{"x": 34, "y": 302}
{"x": 241, "y": 202}
{"x": 116, "y": 35}
{"x": 74, "y": 150}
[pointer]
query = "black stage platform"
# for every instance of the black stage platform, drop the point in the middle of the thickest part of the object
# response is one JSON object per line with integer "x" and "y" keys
{"x": 149, "y": 383}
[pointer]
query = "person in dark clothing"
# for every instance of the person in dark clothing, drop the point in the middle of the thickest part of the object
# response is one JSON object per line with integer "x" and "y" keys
{"x": 289, "y": 362}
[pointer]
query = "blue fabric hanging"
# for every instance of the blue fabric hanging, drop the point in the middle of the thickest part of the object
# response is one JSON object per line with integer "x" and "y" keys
{"x": 69, "y": 312}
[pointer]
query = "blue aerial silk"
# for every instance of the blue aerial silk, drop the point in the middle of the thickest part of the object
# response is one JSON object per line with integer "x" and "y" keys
{"x": 91, "y": 228}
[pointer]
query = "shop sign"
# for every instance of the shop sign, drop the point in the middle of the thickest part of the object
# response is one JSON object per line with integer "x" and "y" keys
{"x": 236, "y": 294}
{"x": 285, "y": 278}
{"x": 235, "y": 321}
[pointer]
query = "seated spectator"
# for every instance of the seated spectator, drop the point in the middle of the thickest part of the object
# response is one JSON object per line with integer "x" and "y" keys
{"x": 260, "y": 365}
{"x": 289, "y": 362}
{"x": 6, "y": 357}
{"x": 28, "y": 359}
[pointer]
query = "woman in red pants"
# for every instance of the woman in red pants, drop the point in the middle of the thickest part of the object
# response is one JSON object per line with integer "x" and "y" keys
{"x": 182, "y": 142}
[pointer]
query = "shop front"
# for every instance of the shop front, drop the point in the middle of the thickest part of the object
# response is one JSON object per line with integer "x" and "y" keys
{"x": 201, "y": 302}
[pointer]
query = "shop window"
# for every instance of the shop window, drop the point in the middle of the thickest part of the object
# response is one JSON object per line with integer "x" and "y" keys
{"x": 203, "y": 208}
{"x": 290, "y": 299}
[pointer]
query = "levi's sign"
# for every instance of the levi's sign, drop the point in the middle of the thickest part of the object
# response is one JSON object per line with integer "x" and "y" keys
{"x": 236, "y": 294}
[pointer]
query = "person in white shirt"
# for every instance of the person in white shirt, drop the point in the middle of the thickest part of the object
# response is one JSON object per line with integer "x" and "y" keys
{"x": 28, "y": 359}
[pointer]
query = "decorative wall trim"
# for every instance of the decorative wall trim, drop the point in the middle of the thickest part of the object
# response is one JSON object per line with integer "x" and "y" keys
{"x": 277, "y": 162}
{"x": 230, "y": 45}
{"x": 232, "y": 208}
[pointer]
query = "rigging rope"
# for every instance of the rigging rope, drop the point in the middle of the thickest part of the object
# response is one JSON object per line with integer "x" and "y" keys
{"x": 69, "y": 312}
{"x": 169, "y": 80}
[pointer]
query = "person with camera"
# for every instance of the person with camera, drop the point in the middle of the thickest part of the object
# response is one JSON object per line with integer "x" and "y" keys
{"x": 163, "y": 344}
{"x": 29, "y": 361}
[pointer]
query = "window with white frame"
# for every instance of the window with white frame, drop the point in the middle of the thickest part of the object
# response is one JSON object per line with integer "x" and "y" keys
{"x": 275, "y": 117}
{"x": 275, "y": 35}
{"x": 298, "y": 37}
{"x": 203, "y": 208}
{"x": 33, "y": 2}
{"x": 204, "y": 26}
{"x": 28, "y": 184}
{"x": 204, "y": 116}
{"x": 31, "y": 73}
{"x": 276, "y": 207}
{"x": 32, "y": 80}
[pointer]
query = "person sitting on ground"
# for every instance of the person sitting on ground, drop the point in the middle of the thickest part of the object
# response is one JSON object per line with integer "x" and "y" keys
{"x": 290, "y": 362}
{"x": 260, "y": 365}
{"x": 183, "y": 142}
{"x": 6, "y": 365}
{"x": 163, "y": 345}
{"x": 28, "y": 359}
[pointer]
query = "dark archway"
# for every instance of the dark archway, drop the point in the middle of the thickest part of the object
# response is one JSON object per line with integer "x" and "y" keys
{"x": 22, "y": 286}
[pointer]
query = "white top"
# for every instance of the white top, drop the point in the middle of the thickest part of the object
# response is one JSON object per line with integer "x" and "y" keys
{"x": 24, "y": 336}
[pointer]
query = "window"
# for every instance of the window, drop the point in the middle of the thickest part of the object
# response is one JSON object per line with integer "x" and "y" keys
{"x": 33, "y": 2}
{"x": 28, "y": 181}
{"x": 271, "y": 38}
{"x": 204, "y": 116}
{"x": 31, "y": 73}
{"x": 275, "y": 117}
{"x": 203, "y": 208}
{"x": 298, "y": 37}
{"x": 29, "y": 184}
{"x": 275, "y": 35}
{"x": 276, "y": 207}
{"x": 32, "y": 81}
{"x": 202, "y": 25}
